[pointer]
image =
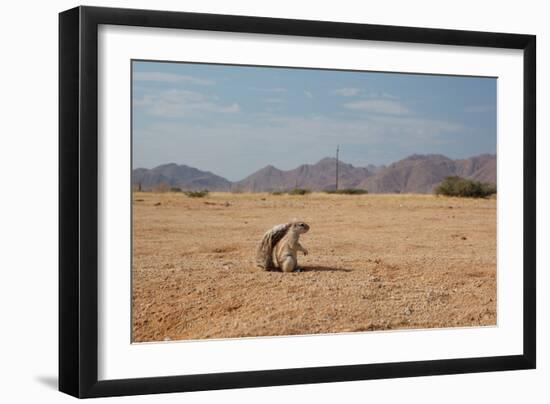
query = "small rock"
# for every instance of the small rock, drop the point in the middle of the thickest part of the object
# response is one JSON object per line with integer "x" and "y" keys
{"x": 408, "y": 311}
{"x": 157, "y": 204}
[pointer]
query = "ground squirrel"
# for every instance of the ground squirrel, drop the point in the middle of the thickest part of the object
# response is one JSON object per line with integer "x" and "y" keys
{"x": 280, "y": 245}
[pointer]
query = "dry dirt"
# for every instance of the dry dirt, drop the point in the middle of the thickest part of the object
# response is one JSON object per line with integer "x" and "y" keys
{"x": 376, "y": 262}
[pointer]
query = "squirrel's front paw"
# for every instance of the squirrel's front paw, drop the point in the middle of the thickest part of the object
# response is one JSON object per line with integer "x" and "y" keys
{"x": 305, "y": 251}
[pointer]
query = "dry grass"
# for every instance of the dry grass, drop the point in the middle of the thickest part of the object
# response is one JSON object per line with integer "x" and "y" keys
{"x": 376, "y": 262}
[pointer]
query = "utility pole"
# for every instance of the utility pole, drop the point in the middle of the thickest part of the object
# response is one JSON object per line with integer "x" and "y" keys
{"x": 337, "y": 150}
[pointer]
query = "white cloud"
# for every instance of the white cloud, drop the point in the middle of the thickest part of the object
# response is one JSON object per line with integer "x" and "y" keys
{"x": 380, "y": 129}
{"x": 347, "y": 92}
{"x": 175, "y": 103}
{"x": 379, "y": 106}
{"x": 381, "y": 95}
{"x": 164, "y": 77}
{"x": 308, "y": 94}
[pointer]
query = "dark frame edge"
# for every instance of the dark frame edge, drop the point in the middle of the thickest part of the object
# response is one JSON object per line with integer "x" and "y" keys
{"x": 529, "y": 199}
{"x": 69, "y": 80}
{"x": 281, "y": 377}
{"x": 307, "y": 28}
{"x": 78, "y": 194}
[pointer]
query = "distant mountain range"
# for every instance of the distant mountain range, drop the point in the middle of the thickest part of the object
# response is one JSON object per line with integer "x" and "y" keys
{"x": 180, "y": 176}
{"x": 317, "y": 176}
{"x": 414, "y": 174}
{"x": 421, "y": 173}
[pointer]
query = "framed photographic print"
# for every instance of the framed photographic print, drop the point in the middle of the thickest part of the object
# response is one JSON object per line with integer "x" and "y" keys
{"x": 250, "y": 201}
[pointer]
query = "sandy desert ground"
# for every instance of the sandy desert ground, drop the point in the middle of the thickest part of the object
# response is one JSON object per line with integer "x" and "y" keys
{"x": 376, "y": 262}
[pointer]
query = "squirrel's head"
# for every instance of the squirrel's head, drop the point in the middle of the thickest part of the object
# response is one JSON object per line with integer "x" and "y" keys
{"x": 300, "y": 227}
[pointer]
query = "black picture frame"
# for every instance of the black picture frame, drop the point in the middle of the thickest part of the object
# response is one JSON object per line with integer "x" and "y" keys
{"x": 78, "y": 201}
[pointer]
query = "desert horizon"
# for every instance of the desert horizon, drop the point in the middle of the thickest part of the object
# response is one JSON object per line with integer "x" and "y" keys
{"x": 416, "y": 173}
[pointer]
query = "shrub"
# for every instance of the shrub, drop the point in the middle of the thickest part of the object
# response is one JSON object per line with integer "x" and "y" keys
{"x": 276, "y": 193}
{"x": 347, "y": 191}
{"x": 299, "y": 191}
{"x": 196, "y": 194}
{"x": 458, "y": 186}
{"x": 175, "y": 189}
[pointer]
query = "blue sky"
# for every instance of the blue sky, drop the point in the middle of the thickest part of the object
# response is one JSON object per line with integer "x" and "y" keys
{"x": 234, "y": 120}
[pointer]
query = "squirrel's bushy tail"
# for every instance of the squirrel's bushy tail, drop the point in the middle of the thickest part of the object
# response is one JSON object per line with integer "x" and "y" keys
{"x": 264, "y": 254}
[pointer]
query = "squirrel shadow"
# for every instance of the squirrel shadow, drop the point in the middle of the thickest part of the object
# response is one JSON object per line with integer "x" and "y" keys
{"x": 320, "y": 268}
